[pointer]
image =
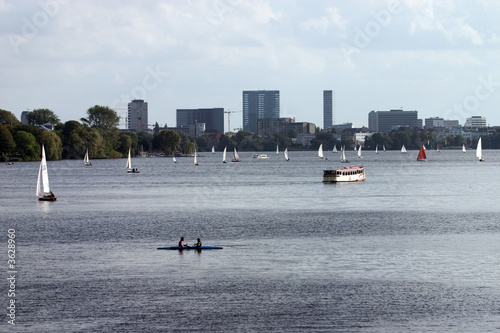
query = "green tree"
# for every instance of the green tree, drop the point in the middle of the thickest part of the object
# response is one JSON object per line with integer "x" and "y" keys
{"x": 128, "y": 140}
{"x": 27, "y": 146}
{"x": 42, "y": 116}
{"x": 102, "y": 117}
{"x": 8, "y": 117}
{"x": 7, "y": 143}
{"x": 53, "y": 145}
{"x": 168, "y": 142}
{"x": 189, "y": 147}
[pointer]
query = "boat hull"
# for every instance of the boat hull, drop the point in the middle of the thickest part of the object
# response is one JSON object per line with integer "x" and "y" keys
{"x": 344, "y": 175}
{"x": 46, "y": 198}
{"x": 180, "y": 248}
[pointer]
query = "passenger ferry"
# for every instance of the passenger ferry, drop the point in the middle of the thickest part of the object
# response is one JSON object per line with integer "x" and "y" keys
{"x": 259, "y": 156}
{"x": 347, "y": 174}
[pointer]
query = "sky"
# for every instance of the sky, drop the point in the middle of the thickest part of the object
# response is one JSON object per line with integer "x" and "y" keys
{"x": 440, "y": 58}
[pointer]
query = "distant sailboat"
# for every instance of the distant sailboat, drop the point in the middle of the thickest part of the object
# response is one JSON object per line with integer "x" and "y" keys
{"x": 173, "y": 159}
{"x": 195, "y": 159}
{"x": 421, "y": 154}
{"x": 334, "y": 149}
{"x": 86, "y": 159}
{"x": 437, "y": 148}
{"x": 376, "y": 149}
{"x": 285, "y": 153}
{"x": 320, "y": 151}
{"x": 383, "y": 147}
{"x": 359, "y": 152}
{"x": 403, "y": 149}
{"x": 224, "y": 155}
{"x": 479, "y": 150}
{"x": 277, "y": 150}
{"x": 463, "y": 149}
{"x": 236, "y": 157}
{"x": 43, "y": 191}
{"x": 342, "y": 158}
{"x": 129, "y": 164}
{"x": 213, "y": 150}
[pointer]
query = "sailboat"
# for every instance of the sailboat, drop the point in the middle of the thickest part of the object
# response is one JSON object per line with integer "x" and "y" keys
{"x": 213, "y": 150}
{"x": 376, "y": 149}
{"x": 86, "y": 159}
{"x": 277, "y": 149}
{"x": 421, "y": 154}
{"x": 224, "y": 155}
{"x": 403, "y": 149}
{"x": 285, "y": 153}
{"x": 343, "y": 159}
{"x": 334, "y": 149}
{"x": 437, "y": 148}
{"x": 174, "y": 159}
{"x": 383, "y": 147}
{"x": 195, "y": 159}
{"x": 43, "y": 191}
{"x": 359, "y": 152}
{"x": 479, "y": 150}
{"x": 320, "y": 151}
{"x": 463, "y": 149}
{"x": 236, "y": 157}
{"x": 129, "y": 164}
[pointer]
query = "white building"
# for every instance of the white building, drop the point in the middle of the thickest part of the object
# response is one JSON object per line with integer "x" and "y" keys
{"x": 475, "y": 121}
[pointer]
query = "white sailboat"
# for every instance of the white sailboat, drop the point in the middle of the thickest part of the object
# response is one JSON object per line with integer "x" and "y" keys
{"x": 43, "y": 191}
{"x": 174, "y": 159}
{"x": 285, "y": 153}
{"x": 224, "y": 155}
{"x": 129, "y": 164}
{"x": 359, "y": 152}
{"x": 334, "y": 149}
{"x": 86, "y": 159}
{"x": 479, "y": 150}
{"x": 342, "y": 158}
{"x": 236, "y": 157}
{"x": 376, "y": 149}
{"x": 213, "y": 150}
{"x": 320, "y": 151}
{"x": 277, "y": 149}
{"x": 383, "y": 147}
{"x": 403, "y": 149}
{"x": 195, "y": 159}
{"x": 463, "y": 149}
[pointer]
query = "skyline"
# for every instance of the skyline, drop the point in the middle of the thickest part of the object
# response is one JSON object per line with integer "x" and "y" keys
{"x": 437, "y": 58}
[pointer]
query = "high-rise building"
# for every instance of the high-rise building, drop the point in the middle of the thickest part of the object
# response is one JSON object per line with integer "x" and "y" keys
{"x": 137, "y": 116}
{"x": 24, "y": 117}
{"x": 327, "y": 109}
{"x": 475, "y": 121}
{"x": 283, "y": 126}
{"x": 259, "y": 104}
{"x": 386, "y": 121}
{"x": 213, "y": 118}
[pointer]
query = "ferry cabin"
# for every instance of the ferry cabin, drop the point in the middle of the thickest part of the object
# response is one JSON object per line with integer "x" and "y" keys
{"x": 347, "y": 174}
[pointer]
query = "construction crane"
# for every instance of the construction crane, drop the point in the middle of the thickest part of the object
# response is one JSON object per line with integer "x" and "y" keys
{"x": 229, "y": 119}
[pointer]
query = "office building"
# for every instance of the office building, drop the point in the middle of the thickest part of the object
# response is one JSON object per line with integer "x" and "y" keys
{"x": 213, "y": 118}
{"x": 328, "y": 116}
{"x": 283, "y": 126}
{"x": 259, "y": 104}
{"x": 475, "y": 121}
{"x": 24, "y": 117}
{"x": 434, "y": 122}
{"x": 137, "y": 116}
{"x": 387, "y": 121}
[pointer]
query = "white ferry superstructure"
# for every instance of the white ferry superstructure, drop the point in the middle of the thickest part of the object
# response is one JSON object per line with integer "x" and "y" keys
{"x": 347, "y": 174}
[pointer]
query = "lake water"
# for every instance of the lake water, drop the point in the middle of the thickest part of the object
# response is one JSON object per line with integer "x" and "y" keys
{"x": 414, "y": 248}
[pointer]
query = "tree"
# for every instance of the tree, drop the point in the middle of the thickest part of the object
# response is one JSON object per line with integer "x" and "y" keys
{"x": 128, "y": 140}
{"x": 102, "y": 117}
{"x": 53, "y": 145}
{"x": 42, "y": 116}
{"x": 167, "y": 141}
{"x": 27, "y": 146}
{"x": 7, "y": 143}
{"x": 189, "y": 147}
{"x": 8, "y": 117}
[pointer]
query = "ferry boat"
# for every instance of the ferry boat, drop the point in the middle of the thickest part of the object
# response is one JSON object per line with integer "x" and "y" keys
{"x": 347, "y": 174}
{"x": 259, "y": 156}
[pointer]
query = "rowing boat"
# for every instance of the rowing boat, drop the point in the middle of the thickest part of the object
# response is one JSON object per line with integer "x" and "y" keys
{"x": 190, "y": 248}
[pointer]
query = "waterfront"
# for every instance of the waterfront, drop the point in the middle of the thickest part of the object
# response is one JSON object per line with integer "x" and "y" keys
{"x": 413, "y": 248}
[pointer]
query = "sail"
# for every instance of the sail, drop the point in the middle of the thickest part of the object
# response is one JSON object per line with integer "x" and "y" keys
{"x": 86, "y": 158}
{"x": 277, "y": 150}
{"x": 173, "y": 159}
{"x": 235, "y": 155}
{"x": 359, "y": 152}
{"x": 343, "y": 154}
{"x": 403, "y": 149}
{"x": 320, "y": 151}
{"x": 129, "y": 161}
{"x": 286, "y": 154}
{"x": 437, "y": 148}
{"x": 334, "y": 149}
{"x": 43, "y": 176}
{"x": 213, "y": 150}
{"x": 224, "y": 155}
{"x": 479, "y": 150}
{"x": 195, "y": 160}
{"x": 383, "y": 147}
{"x": 376, "y": 149}
{"x": 463, "y": 149}
{"x": 421, "y": 154}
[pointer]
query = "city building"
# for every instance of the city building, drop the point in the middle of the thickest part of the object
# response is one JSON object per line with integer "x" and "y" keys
{"x": 451, "y": 123}
{"x": 137, "y": 116}
{"x": 213, "y": 118}
{"x": 24, "y": 117}
{"x": 283, "y": 126}
{"x": 387, "y": 121}
{"x": 433, "y": 122}
{"x": 328, "y": 116}
{"x": 475, "y": 121}
{"x": 341, "y": 127}
{"x": 259, "y": 104}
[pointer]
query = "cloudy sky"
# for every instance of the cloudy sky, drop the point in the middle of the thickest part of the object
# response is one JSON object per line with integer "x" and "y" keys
{"x": 440, "y": 58}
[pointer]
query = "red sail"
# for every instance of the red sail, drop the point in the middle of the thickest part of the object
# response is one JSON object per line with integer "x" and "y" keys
{"x": 421, "y": 155}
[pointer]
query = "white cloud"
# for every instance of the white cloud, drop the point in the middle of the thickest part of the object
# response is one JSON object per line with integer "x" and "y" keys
{"x": 333, "y": 20}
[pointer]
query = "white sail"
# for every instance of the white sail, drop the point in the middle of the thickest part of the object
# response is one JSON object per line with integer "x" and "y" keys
{"x": 334, "y": 149}
{"x": 424, "y": 147}
{"x": 383, "y": 147}
{"x": 277, "y": 150}
{"x": 342, "y": 158}
{"x": 403, "y": 149}
{"x": 224, "y": 155}
{"x": 173, "y": 159}
{"x": 376, "y": 149}
{"x": 86, "y": 159}
{"x": 213, "y": 150}
{"x": 320, "y": 151}
{"x": 235, "y": 155}
{"x": 42, "y": 183}
{"x": 359, "y": 152}
{"x": 285, "y": 153}
{"x": 463, "y": 149}
{"x": 479, "y": 150}
{"x": 129, "y": 161}
{"x": 195, "y": 159}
